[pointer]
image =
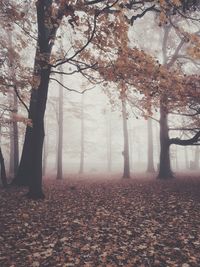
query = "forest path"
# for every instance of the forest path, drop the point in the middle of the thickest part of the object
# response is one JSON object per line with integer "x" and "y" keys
{"x": 137, "y": 222}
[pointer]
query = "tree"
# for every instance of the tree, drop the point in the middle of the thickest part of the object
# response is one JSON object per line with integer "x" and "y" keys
{"x": 3, "y": 170}
{"x": 60, "y": 131}
{"x": 126, "y": 172}
{"x": 197, "y": 158}
{"x": 82, "y": 152}
{"x": 49, "y": 17}
{"x": 150, "y": 161}
{"x": 165, "y": 141}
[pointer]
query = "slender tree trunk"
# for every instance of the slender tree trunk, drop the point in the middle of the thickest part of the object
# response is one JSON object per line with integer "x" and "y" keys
{"x": 14, "y": 142}
{"x": 126, "y": 173}
{"x": 165, "y": 171}
{"x": 150, "y": 166}
{"x": 109, "y": 142}
{"x": 81, "y": 169}
{"x": 30, "y": 168}
{"x": 11, "y": 158}
{"x": 187, "y": 165}
{"x": 3, "y": 170}
{"x": 197, "y": 158}
{"x": 131, "y": 149}
{"x": 176, "y": 158}
{"x": 15, "y": 137}
{"x": 60, "y": 131}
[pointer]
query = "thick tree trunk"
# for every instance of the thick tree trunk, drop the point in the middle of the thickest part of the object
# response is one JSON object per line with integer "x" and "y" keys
{"x": 150, "y": 161}
{"x": 60, "y": 131}
{"x": 165, "y": 171}
{"x": 126, "y": 173}
{"x": 81, "y": 169}
{"x": 3, "y": 170}
{"x": 30, "y": 169}
{"x": 45, "y": 152}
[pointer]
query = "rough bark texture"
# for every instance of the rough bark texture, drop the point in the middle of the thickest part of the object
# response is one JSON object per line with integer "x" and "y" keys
{"x": 150, "y": 162}
{"x": 45, "y": 152}
{"x": 165, "y": 171}
{"x": 3, "y": 170}
{"x": 30, "y": 169}
{"x": 126, "y": 173}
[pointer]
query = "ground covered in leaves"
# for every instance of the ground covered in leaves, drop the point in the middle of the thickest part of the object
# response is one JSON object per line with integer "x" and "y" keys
{"x": 137, "y": 222}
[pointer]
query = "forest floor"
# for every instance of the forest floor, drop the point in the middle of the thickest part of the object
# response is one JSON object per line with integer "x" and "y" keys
{"x": 94, "y": 222}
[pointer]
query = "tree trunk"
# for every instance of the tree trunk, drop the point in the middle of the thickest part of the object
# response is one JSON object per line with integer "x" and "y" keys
{"x": 3, "y": 170}
{"x": 126, "y": 173}
{"x": 14, "y": 142}
{"x": 187, "y": 165}
{"x": 45, "y": 152}
{"x": 197, "y": 158}
{"x": 150, "y": 166}
{"x": 81, "y": 169}
{"x": 60, "y": 131}
{"x": 30, "y": 168}
{"x": 15, "y": 137}
{"x": 109, "y": 142}
{"x": 11, "y": 158}
{"x": 131, "y": 149}
{"x": 165, "y": 171}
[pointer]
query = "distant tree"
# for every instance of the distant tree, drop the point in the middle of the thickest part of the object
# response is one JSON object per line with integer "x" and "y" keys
{"x": 126, "y": 172}
{"x": 150, "y": 161}
{"x": 82, "y": 152}
{"x": 197, "y": 158}
{"x": 60, "y": 131}
{"x": 165, "y": 106}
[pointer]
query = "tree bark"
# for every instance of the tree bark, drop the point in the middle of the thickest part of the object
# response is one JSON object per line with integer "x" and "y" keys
{"x": 3, "y": 170}
{"x": 30, "y": 168}
{"x": 165, "y": 171}
{"x": 81, "y": 169}
{"x": 126, "y": 173}
{"x": 45, "y": 152}
{"x": 150, "y": 161}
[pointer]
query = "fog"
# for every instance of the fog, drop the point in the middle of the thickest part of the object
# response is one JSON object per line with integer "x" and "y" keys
{"x": 101, "y": 122}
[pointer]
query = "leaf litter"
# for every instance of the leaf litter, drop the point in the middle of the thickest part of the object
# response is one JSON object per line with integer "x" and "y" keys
{"x": 137, "y": 222}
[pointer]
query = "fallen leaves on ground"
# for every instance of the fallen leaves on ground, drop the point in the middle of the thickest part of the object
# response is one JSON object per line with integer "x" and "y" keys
{"x": 102, "y": 223}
